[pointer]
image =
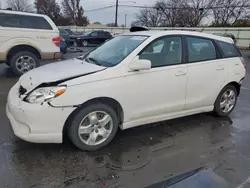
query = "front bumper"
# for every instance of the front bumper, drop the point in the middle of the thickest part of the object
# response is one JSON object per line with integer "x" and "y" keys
{"x": 35, "y": 122}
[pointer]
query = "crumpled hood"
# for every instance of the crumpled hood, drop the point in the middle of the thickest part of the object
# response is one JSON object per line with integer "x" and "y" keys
{"x": 57, "y": 71}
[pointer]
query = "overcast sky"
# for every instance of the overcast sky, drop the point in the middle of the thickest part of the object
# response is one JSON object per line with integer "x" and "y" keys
{"x": 108, "y": 15}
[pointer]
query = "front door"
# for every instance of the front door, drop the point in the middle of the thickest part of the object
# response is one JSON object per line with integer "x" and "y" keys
{"x": 206, "y": 73}
{"x": 163, "y": 87}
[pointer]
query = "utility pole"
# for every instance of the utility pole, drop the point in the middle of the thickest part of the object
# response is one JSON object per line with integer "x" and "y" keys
{"x": 116, "y": 13}
{"x": 125, "y": 20}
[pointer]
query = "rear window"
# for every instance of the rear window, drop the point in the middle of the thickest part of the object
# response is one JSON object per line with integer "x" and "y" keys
{"x": 228, "y": 49}
{"x": 23, "y": 21}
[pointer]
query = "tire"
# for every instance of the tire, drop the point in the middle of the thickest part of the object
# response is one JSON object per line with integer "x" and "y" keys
{"x": 218, "y": 109}
{"x": 80, "y": 117}
{"x": 85, "y": 43}
{"x": 31, "y": 64}
{"x": 79, "y": 44}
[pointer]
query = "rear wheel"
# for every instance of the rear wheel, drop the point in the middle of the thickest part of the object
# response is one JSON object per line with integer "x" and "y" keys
{"x": 93, "y": 127}
{"x": 23, "y": 61}
{"x": 226, "y": 101}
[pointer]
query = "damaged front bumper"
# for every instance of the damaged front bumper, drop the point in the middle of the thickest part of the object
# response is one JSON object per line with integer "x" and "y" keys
{"x": 38, "y": 123}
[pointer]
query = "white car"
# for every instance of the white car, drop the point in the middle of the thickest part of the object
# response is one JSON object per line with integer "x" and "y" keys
{"x": 25, "y": 38}
{"x": 131, "y": 80}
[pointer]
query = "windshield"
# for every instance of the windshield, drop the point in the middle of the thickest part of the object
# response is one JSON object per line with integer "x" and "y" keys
{"x": 114, "y": 51}
{"x": 87, "y": 33}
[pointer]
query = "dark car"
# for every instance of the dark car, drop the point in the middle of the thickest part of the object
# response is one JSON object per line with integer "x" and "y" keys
{"x": 93, "y": 37}
{"x": 68, "y": 36}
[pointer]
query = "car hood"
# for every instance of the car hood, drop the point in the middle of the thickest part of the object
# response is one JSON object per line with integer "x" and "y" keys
{"x": 59, "y": 71}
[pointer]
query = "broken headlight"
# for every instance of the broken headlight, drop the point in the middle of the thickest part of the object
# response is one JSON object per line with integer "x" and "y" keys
{"x": 45, "y": 94}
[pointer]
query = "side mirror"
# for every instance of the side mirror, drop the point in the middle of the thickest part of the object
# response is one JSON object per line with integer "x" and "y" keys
{"x": 140, "y": 64}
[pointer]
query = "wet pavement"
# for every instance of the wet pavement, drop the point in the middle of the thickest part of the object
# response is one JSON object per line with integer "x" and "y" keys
{"x": 137, "y": 157}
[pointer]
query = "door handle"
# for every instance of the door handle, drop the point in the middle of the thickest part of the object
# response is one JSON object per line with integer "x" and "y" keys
{"x": 180, "y": 73}
{"x": 220, "y": 68}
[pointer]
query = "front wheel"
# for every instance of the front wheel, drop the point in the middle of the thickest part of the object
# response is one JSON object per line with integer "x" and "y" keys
{"x": 226, "y": 101}
{"x": 85, "y": 43}
{"x": 93, "y": 127}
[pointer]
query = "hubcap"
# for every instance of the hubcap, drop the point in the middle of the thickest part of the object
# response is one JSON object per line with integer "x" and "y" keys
{"x": 85, "y": 43}
{"x": 25, "y": 63}
{"x": 95, "y": 128}
{"x": 227, "y": 101}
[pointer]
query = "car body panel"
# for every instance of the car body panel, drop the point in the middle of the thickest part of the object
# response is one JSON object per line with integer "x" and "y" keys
{"x": 56, "y": 72}
{"x": 145, "y": 96}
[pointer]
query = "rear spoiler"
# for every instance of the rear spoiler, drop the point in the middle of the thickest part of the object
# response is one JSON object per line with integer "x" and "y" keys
{"x": 137, "y": 28}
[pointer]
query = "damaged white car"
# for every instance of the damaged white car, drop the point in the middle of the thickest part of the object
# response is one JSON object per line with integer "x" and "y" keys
{"x": 131, "y": 80}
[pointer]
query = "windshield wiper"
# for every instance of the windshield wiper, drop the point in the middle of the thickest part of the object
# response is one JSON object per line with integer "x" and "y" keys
{"x": 94, "y": 60}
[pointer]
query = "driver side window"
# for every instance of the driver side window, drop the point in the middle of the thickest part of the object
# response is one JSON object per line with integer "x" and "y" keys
{"x": 163, "y": 52}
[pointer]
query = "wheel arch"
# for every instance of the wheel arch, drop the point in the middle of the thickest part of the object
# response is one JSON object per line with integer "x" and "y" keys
{"x": 105, "y": 100}
{"x": 236, "y": 85}
{"x": 22, "y": 47}
{"x": 233, "y": 83}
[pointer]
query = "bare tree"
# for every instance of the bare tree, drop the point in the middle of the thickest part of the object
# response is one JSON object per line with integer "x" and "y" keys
{"x": 73, "y": 10}
{"x": 149, "y": 17}
{"x": 232, "y": 11}
{"x": 20, "y": 5}
{"x": 175, "y": 13}
{"x": 49, "y": 8}
{"x": 184, "y": 12}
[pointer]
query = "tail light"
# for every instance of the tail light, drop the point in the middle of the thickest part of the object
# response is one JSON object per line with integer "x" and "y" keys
{"x": 243, "y": 61}
{"x": 57, "y": 40}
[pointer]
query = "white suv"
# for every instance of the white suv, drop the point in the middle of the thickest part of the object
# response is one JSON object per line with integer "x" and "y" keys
{"x": 25, "y": 38}
{"x": 131, "y": 80}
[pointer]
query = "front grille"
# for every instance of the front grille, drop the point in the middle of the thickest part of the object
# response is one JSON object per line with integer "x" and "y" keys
{"x": 22, "y": 90}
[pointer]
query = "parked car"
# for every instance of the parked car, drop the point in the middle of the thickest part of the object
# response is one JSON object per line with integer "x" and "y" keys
{"x": 68, "y": 36}
{"x": 93, "y": 37}
{"x": 25, "y": 38}
{"x": 133, "y": 79}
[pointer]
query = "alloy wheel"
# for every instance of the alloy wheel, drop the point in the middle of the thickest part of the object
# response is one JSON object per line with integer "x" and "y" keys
{"x": 95, "y": 128}
{"x": 25, "y": 64}
{"x": 228, "y": 100}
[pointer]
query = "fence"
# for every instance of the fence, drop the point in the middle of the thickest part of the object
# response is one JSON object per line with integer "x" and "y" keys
{"x": 242, "y": 35}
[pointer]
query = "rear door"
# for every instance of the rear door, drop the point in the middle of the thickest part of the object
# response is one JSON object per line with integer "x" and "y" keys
{"x": 206, "y": 72}
{"x": 93, "y": 37}
{"x": 234, "y": 60}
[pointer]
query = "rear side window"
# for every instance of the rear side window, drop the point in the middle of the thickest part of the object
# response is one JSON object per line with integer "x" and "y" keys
{"x": 228, "y": 49}
{"x": 107, "y": 34}
{"x": 23, "y": 21}
{"x": 200, "y": 49}
{"x": 101, "y": 34}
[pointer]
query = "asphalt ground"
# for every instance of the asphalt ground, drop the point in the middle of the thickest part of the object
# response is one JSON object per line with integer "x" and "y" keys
{"x": 137, "y": 157}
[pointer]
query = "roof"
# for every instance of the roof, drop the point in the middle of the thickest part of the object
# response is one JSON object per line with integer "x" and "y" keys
{"x": 179, "y": 32}
{"x": 20, "y": 13}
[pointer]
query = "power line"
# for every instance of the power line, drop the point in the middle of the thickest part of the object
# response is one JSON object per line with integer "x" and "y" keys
{"x": 218, "y": 7}
{"x": 101, "y": 8}
{"x": 138, "y": 6}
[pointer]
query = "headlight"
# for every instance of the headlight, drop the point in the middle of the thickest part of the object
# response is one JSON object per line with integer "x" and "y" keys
{"x": 78, "y": 38}
{"x": 45, "y": 94}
